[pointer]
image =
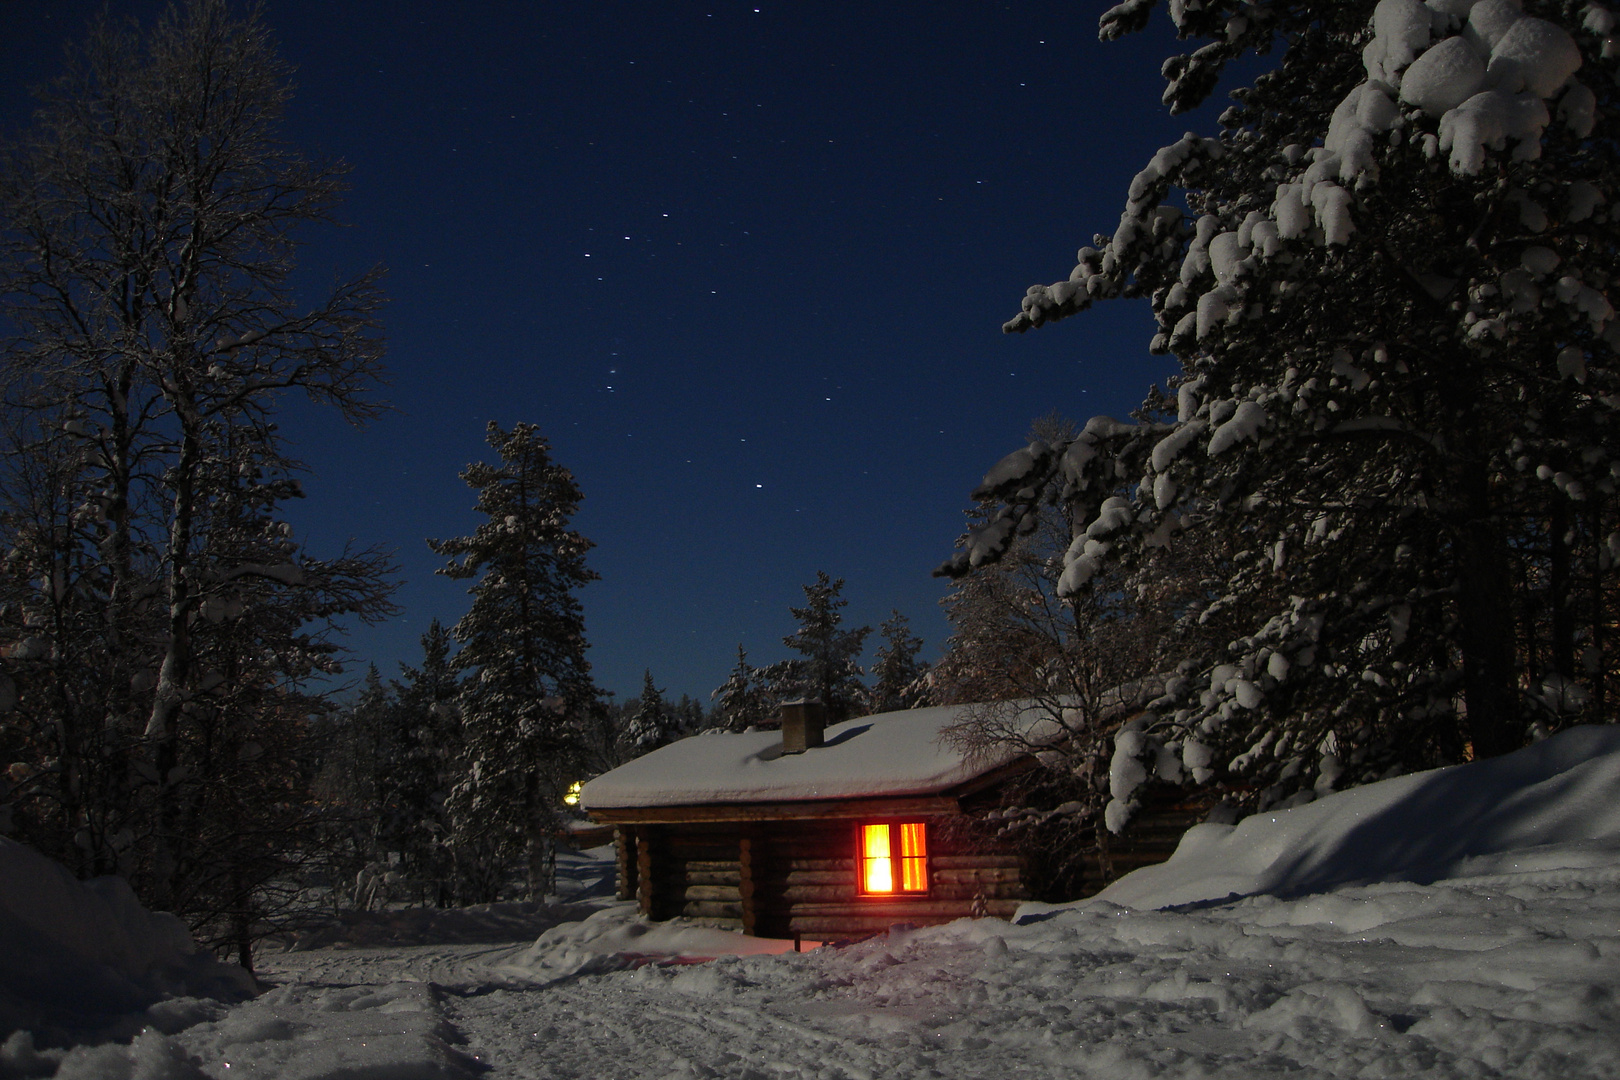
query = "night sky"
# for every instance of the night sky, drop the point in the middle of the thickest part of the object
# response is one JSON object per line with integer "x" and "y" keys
{"x": 745, "y": 267}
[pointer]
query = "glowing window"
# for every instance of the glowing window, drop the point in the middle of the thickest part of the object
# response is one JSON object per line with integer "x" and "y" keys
{"x": 894, "y": 859}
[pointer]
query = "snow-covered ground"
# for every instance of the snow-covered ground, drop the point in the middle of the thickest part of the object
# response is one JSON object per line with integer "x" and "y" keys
{"x": 1462, "y": 923}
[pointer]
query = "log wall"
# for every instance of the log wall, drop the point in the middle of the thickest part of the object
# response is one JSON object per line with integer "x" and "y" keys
{"x": 778, "y": 879}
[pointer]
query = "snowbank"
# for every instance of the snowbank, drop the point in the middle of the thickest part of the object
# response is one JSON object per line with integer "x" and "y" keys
{"x": 512, "y": 920}
{"x": 80, "y": 955}
{"x": 1484, "y": 945}
{"x": 1551, "y": 806}
{"x": 616, "y": 938}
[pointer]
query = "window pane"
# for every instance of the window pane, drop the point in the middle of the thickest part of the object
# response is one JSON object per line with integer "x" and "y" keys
{"x": 914, "y": 875}
{"x": 877, "y": 874}
{"x": 913, "y": 865}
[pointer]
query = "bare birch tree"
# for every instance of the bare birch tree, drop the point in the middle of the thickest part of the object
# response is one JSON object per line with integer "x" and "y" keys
{"x": 148, "y": 233}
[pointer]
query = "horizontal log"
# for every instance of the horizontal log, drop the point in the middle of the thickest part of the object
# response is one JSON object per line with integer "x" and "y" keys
{"x": 712, "y": 909}
{"x": 728, "y": 893}
{"x": 1011, "y": 890}
{"x": 712, "y": 866}
{"x": 843, "y": 875}
{"x": 852, "y": 809}
{"x": 904, "y": 910}
{"x": 851, "y": 927}
{"x": 987, "y": 860}
{"x": 898, "y": 910}
{"x": 988, "y": 875}
{"x": 710, "y": 877}
{"x": 704, "y": 853}
{"x": 846, "y": 872}
{"x": 796, "y": 891}
{"x": 779, "y": 912}
{"x": 832, "y": 928}
{"x": 818, "y": 893}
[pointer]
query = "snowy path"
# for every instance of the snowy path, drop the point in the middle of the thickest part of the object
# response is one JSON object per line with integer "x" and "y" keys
{"x": 1505, "y": 966}
{"x": 1512, "y": 976}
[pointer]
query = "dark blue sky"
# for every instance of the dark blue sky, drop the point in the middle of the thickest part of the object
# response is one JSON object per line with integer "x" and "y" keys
{"x": 745, "y": 266}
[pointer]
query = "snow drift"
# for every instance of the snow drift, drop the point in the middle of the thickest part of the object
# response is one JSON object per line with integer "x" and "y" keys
{"x": 1554, "y": 805}
{"x": 80, "y": 955}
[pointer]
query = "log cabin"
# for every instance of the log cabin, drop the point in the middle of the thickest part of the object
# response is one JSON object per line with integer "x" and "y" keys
{"x": 823, "y": 832}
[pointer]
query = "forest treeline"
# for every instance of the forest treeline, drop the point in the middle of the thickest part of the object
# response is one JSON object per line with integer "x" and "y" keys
{"x": 168, "y": 650}
{"x": 1371, "y": 526}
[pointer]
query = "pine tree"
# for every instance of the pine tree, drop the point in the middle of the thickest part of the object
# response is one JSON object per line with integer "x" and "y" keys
{"x": 602, "y": 741}
{"x": 827, "y": 669}
{"x": 740, "y": 701}
{"x": 1398, "y": 367}
{"x": 523, "y": 645}
{"x": 428, "y": 720}
{"x": 355, "y": 783}
{"x": 653, "y": 723}
{"x": 901, "y": 677}
{"x": 690, "y": 716}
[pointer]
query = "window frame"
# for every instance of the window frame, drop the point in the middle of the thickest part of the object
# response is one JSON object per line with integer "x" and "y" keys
{"x": 895, "y": 859}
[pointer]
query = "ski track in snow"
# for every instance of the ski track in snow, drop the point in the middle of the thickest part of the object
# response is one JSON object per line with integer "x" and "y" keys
{"x": 1486, "y": 948}
{"x": 1510, "y": 976}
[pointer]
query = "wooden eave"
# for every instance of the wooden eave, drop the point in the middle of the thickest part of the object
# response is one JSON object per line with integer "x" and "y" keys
{"x": 990, "y": 778}
{"x": 802, "y": 810}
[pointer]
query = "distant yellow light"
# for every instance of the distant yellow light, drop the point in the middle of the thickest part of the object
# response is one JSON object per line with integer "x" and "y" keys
{"x": 572, "y": 798}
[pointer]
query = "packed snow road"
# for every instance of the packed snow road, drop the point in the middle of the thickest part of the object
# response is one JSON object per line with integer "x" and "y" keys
{"x": 1462, "y": 923}
{"x": 1514, "y": 975}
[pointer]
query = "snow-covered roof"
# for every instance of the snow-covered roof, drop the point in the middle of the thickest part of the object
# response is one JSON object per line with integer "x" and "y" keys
{"x": 890, "y": 754}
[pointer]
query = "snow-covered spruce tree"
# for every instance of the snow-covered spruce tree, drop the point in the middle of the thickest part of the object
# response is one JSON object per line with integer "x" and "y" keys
{"x": 358, "y": 759}
{"x": 1390, "y": 302}
{"x": 653, "y": 723}
{"x": 827, "y": 668}
{"x": 428, "y": 723}
{"x": 740, "y": 702}
{"x": 690, "y": 716}
{"x": 146, "y": 244}
{"x": 902, "y": 679}
{"x": 523, "y": 647}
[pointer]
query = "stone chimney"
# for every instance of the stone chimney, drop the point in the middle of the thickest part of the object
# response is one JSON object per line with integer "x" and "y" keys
{"x": 803, "y": 724}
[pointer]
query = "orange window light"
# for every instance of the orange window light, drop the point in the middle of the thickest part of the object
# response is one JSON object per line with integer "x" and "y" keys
{"x": 913, "y": 859}
{"x": 880, "y": 851}
{"x": 877, "y": 871}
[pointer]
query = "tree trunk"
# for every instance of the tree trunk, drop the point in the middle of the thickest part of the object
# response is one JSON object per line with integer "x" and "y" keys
{"x": 174, "y": 673}
{"x": 1485, "y": 631}
{"x": 1559, "y": 524}
{"x": 540, "y": 848}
